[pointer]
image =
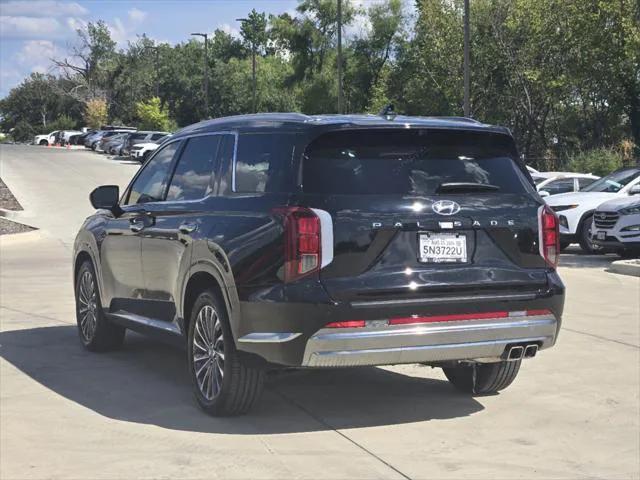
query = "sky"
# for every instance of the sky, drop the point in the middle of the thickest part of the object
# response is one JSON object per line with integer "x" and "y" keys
{"x": 33, "y": 31}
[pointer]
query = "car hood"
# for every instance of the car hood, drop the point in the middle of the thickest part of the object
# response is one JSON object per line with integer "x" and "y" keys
{"x": 619, "y": 203}
{"x": 584, "y": 199}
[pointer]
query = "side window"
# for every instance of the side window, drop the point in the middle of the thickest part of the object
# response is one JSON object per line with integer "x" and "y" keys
{"x": 585, "y": 182}
{"x": 559, "y": 186}
{"x": 156, "y": 136}
{"x": 150, "y": 185}
{"x": 263, "y": 162}
{"x": 193, "y": 177}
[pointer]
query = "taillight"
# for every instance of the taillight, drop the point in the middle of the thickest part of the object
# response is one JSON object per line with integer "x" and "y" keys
{"x": 549, "y": 233}
{"x": 302, "y": 242}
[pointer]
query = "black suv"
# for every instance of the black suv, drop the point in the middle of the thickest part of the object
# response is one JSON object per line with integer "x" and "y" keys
{"x": 325, "y": 241}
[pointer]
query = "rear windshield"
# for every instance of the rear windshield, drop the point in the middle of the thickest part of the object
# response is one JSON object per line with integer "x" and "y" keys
{"x": 614, "y": 182}
{"x": 411, "y": 162}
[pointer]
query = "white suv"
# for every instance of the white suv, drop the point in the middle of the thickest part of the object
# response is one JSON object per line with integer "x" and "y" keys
{"x": 46, "y": 139}
{"x": 616, "y": 226}
{"x": 575, "y": 210}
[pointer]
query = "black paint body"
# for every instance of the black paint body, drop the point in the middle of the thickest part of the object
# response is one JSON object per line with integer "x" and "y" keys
{"x": 238, "y": 248}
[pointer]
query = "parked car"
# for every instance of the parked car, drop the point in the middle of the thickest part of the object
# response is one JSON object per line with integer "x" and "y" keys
{"x": 575, "y": 210}
{"x": 141, "y": 151}
{"x": 141, "y": 137}
{"x": 65, "y": 136}
{"x": 616, "y": 226}
{"x": 102, "y": 136}
{"x": 553, "y": 183}
{"x": 91, "y": 139}
{"x": 327, "y": 241}
{"x": 45, "y": 140}
{"x": 107, "y": 140}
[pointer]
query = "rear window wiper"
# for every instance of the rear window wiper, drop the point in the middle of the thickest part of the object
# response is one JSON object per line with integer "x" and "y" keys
{"x": 466, "y": 187}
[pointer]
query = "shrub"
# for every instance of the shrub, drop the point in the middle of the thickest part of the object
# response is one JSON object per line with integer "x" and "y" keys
{"x": 599, "y": 161}
{"x": 22, "y": 132}
{"x": 95, "y": 114}
{"x": 63, "y": 122}
{"x": 152, "y": 116}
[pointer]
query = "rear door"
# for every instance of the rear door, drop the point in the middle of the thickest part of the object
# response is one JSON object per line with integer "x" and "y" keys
{"x": 417, "y": 213}
{"x": 166, "y": 242}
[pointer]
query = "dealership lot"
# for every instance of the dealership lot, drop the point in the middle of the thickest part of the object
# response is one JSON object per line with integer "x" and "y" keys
{"x": 573, "y": 412}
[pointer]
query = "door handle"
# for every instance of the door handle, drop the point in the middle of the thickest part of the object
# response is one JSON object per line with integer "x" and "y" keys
{"x": 188, "y": 228}
{"x": 136, "y": 225}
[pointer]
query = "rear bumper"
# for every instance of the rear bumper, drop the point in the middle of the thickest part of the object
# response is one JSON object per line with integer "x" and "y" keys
{"x": 484, "y": 340}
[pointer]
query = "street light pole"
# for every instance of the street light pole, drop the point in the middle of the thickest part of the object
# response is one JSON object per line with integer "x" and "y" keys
{"x": 339, "y": 56}
{"x": 467, "y": 109}
{"x": 206, "y": 72}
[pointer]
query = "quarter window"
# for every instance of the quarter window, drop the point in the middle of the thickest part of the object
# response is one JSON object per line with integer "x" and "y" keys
{"x": 193, "y": 178}
{"x": 263, "y": 162}
{"x": 150, "y": 185}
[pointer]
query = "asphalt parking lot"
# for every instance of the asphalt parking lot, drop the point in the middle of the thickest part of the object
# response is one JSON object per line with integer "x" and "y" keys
{"x": 573, "y": 412}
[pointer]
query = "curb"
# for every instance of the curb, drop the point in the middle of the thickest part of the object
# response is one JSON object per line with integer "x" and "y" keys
{"x": 625, "y": 267}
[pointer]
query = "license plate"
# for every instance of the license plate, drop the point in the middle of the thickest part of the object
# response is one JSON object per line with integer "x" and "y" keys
{"x": 601, "y": 235}
{"x": 442, "y": 248}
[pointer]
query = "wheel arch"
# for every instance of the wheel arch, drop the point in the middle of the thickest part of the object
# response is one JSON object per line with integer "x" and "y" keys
{"x": 201, "y": 278}
{"x": 584, "y": 216}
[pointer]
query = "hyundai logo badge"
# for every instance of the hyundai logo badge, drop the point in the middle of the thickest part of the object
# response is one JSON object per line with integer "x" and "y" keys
{"x": 445, "y": 207}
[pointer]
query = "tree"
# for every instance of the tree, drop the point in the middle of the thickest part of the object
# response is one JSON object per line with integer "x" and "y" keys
{"x": 152, "y": 116}
{"x": 96, "y": 113}
{"x": 22, "y": 132}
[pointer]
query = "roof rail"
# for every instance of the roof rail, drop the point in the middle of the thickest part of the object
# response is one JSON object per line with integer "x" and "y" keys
{"x": 462, "y": 119}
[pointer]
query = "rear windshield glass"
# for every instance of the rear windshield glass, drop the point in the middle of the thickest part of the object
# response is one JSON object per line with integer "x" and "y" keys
{"x": 414, "y": 162}
{"x": 614, "y": 182}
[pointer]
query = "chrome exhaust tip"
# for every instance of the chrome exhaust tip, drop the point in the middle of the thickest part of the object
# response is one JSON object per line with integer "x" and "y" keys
{"x": 531, "y": 351}
{"x": 515, "y": 353}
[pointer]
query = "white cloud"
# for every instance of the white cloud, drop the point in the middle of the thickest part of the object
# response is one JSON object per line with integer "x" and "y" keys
{"x": 136, "y": 15}
{"x": 42, "y": 8}
{"x": 29, "y": 27}
{"x": 229, "y": 30}
{"x": 36, "y": 54}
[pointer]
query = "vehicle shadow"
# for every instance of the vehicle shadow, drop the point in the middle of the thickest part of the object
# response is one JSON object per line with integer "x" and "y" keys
{"x": 574, "y": 257}
{"x": 147, "y": 382}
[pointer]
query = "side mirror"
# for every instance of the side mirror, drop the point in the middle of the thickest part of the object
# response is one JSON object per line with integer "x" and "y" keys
{"x": 544, "y": 193}
{"x": 635, "y": 190}
{"x": 105, "y": 197}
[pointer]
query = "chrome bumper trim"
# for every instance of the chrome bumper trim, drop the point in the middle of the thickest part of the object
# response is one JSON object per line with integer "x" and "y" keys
{"x": 439, "y": 300}
{"x": 464, "y": 340}
{"x": 268, "y": 337}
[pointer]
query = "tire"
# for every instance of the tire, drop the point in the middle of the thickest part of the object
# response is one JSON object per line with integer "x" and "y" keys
{"x": 584, "y": 236}
{"x": 222, "y": 384}
{"x": 97, "y": 334}
{"x": 145, "y": 155}
{"x": 564, "y": 245}
{"x": 490, "y": 377}
{"x": 43, "y": 143}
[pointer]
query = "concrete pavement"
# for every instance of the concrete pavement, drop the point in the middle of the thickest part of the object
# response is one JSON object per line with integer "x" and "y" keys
{"x": 573, "y": 412}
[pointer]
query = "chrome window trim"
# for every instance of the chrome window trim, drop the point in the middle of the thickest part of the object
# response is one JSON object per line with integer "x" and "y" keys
{"x": 180, "y": 139}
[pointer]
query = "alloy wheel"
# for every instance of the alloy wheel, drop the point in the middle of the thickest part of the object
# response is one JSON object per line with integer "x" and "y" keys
{"x": 87, "y": 306}
{"x": 208, "y": 352}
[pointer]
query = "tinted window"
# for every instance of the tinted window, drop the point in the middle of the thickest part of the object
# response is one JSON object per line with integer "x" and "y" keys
{"x": 585, "y": 182}
{"x": 263, "y": 162}
{"x": 615, "y": 181}
{"x": 414, "y": 162}
{"x": 559, "y": 186}
{"x": 156, "y": 136}
{"x": 150, "y": 185}
{"x": 193, "y": 177}
{"x": 137, "y": 136}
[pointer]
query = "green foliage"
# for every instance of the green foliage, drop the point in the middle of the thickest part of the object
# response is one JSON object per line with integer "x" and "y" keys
{"x": 152, "y": 116}
{"x": 599, "y": 161}
{"x": 63, "y": 122}
{"x": 22, "y": 132}
{"x": 563, "y": 75}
